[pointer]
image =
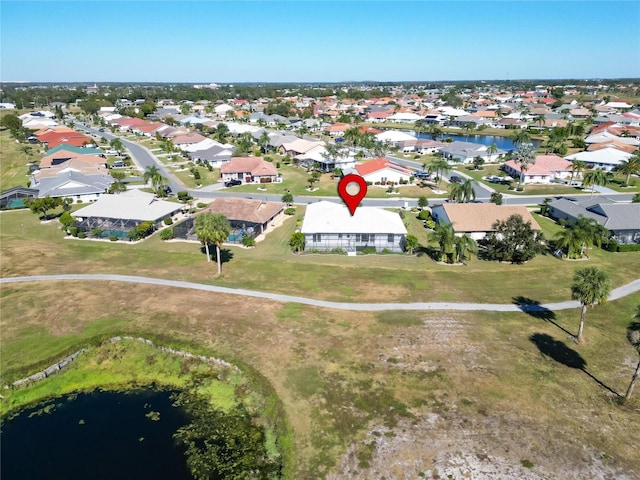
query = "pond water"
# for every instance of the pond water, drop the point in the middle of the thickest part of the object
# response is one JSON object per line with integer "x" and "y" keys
{"x": 98, "y": 435}
{"x": 503, "y": 143}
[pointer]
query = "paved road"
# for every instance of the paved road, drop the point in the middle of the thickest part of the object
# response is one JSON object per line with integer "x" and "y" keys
{"x": 617, "y": 293}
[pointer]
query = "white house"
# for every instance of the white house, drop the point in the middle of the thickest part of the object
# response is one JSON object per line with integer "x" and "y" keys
{"x": 545, "y": 169}
{"x": 329, "y": 226}
{"x": 394, "y": 136}
{"x": 605, "y": 159}
{"x": 381, "y": 170}
{"x": 465, "y": 152}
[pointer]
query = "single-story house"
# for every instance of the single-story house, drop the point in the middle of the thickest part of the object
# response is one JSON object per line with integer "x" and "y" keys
{"x": 250, "y": 170}
{"x": 605, "y": 159}
{"x": 63, "y": 156}
{"x": 621, "y": 219}
{"x": 382, "y": 171}
{"x": 327, "y": 163}
{"x": 216, "y": 155}
{"x": 465, "y": 152}
{"x": 477, "y": 219}
{"x": 545, "y": 169}
{"x": 329, "y": 225}
{"x": 120, "y": 213}
{"x": 246, "y": 217}
{"x": 72, "y": 184}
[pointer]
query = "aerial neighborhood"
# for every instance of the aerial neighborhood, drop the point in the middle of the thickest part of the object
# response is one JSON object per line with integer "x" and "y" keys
{"x": 447, "y": 144}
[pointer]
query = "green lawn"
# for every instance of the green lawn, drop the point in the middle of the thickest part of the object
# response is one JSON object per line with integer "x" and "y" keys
{"x": 14, "y": 170}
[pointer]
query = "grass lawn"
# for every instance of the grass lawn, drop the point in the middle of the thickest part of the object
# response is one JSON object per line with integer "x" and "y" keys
{"x": 14, "y": 169}
{"x": 207, "y": 177}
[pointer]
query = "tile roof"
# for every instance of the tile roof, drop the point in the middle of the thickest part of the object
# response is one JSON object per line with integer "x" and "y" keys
{"x": 256, "y": 166}
{"x": 544, "y": 165}
{"x": 378, "y": 164}
{"x": 244, "y": 210}
{"x": 480, "y": 217}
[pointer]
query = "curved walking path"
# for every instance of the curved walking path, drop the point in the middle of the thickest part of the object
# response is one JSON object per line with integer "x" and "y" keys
{"x": 617, "y": 293}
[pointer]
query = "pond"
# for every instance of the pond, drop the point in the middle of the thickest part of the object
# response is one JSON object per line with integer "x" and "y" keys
{"x": 503, "y": 143}
{"x": 97, "y": 435}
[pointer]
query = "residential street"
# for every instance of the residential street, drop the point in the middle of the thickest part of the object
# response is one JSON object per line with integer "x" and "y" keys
{"x": 616, "y": 293}
{"x": 144, "y": 158}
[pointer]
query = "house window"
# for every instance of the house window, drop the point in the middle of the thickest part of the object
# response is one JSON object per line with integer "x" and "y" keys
{"x": 317, "y": 237}
{"x": 390, "y": 238}
{"x": 383, "y": 179}
{"x": 339, "y": 235}
{"x": 364, "y": 237}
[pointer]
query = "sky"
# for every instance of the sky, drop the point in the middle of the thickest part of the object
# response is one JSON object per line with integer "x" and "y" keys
{"x": 326, "y": 41}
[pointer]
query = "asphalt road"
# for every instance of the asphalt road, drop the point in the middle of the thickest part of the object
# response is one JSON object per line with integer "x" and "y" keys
{"x": 617, "y": 293}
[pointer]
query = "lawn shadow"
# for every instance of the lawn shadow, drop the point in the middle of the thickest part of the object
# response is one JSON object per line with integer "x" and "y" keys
{"x": 558, "y": 351}
{"x": 226, "y": 255}
{"x": 536, "y": 310}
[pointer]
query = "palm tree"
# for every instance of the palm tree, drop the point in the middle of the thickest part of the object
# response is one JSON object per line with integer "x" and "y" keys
{"x": 26, "y": 149}
{"x": 152, "y": 174}
{"x": 521, "y": 136}
{"x": 221, "y": 230}
{"x": 444, "y": 235}
{"x": 352, "y": 135}
{"x": 540, "y": 120}
{"x": 594, "y": 177}
{"x": 264, "y": 141}
{"x": 440, "y": 166}
{"x": 410, "y": 243}
{"x": 568, "y": 239}
{"x": 633, "y": 335}
{"x": 116, "y": 144}
{"x": 435, "y": 131}
{"x": 492, "y": 149}
{"x": 468, "y": 193}
{"x": 455, "y": 192}
{"x": 577, "y": 167}
{"x": 525, "y": 156}
{"x": 296, "y": 242}
{"x": 590, "y": 233}
{"x": 204, "y": 231}
{"x": 465, "y": 245}
{"x": 419, "y": 127}
{"x": 630, "y": 166}
{"x": 590, "y": 286}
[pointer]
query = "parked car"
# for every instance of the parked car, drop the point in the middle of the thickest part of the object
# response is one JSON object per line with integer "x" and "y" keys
{"x": 421, "y": 174}
{"x": 455, "y": 179}
{"x": 233, "y": 182}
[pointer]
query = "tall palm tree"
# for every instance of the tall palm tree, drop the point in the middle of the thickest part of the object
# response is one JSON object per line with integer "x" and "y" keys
{"x": 435, "y": 131}
{"x": 577, "y": 167}
{"x": 116, "y": 144}
{"x": 204, "y": 231}
{"x": 525, "y": 156}
{"x": 468, "y": 193}
{"x": 594, "y": 177}
{"x": 492, "y": 149}
{"x": 590, "y": 286}
{"x": 630, "y": 166}
{"x": 152, "y": 174}
{"x": 221, "y": 231}
{"x": 264, "y": 141}
{"x": 521, "y": 136}
{"x": 26, "y": 149}
{"x": 444, "y": 235}
{"x": 633, "y": 335}
{"x": 440, "y": 166}
{"x": 568, "y": 239}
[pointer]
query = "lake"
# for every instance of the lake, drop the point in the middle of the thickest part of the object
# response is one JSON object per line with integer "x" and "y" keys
{"x": 98, "y": 435}
{"x": 503, "y": 143}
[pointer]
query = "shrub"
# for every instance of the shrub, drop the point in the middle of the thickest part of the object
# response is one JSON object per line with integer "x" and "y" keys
{"x": 527, "y": 463}
{"x": 82, "y": 235}
{"x": 267, "y": 159}
{"x": 340, "y": 251}
{"x": 248, "y": 241}
{"x": 166, "y": 234}
{"x": 277, "y": 164}
{"x": 183, "y": 196}
{"x": 290, "y": 211}
{"x": 196, "y": 174}
{"x": 629, "y": 248}
{"x": 370, "y": 183}
{"x": 96, "y": 232}
{"x": 368, "y": 250}
{"x": 168, "y": 221}
{"x": 201, "y": 205}
{"x": 66, "y": 219}
{"x": 113, "y": 238}
{"x": 424, "y": 215}
{"x": 73, "y": 231}
{"x": 430, "y": 224}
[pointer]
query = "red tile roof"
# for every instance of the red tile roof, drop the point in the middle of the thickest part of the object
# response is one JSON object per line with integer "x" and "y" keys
{"x": 378, "y": 164}
{"x": 545, "y": 165}
{"x": 255, "y": 166}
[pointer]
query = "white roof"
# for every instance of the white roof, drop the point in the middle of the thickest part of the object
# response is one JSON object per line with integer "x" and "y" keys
{"x": 405, "y": 116}
{"x": 203, "y": 145}
{"x": 394, "y": 136}
{"x": 609, "y": 155}
{"x": 606, "y": 136}
{"x": 329, "y": 217}
{"x": 129, "y": 205}
{"x": 239, "y": 128}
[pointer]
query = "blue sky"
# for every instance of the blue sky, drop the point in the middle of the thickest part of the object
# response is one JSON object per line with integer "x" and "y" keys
{"x": 306, "y": 41}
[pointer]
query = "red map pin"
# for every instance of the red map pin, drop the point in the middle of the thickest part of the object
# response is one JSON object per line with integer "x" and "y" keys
{"x": 352, "y": 199}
